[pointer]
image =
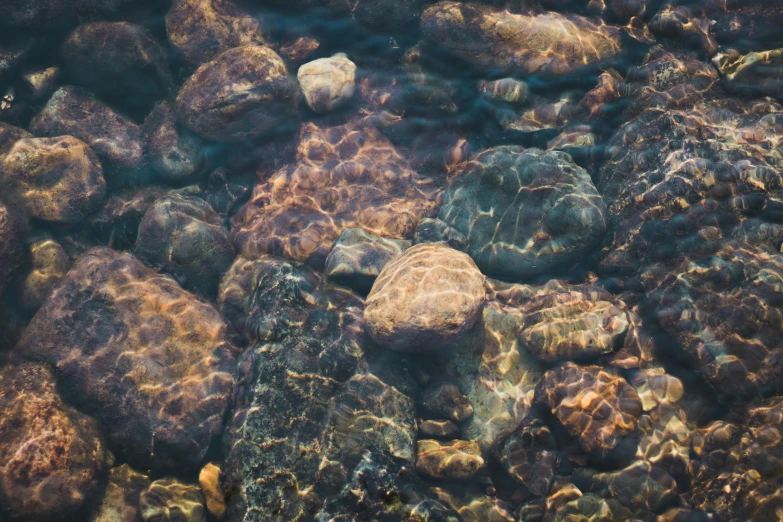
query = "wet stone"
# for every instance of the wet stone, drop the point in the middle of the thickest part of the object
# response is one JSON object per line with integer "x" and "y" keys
{"x": 752, "y": 74}
{"x": 13, "y": 228}
{"x": 119, "y": 61}
{"x": 493, "y": 39}
{"x": 13, "y": 54}
{"x": 49, "y": 264}
{"x": 53, "y": 179}
{"x": 357, "y": 258}
{"x": 530, "y": 456}
{"x": 594, "y": 406}
{"x": 115, "y": 139}
{"x": 473, "y": 504}
{"x": 676, "y": 21}
{"x": 300, "y": 50}
{"x": 52, "y": 456}
{"x": 214, "y": 496}
{"x": 453, "y": 460}
{"x": 39, "y": 84}
{"x": 327, "y": 83}
{"x": 509, "y": 90}
{"x": 349, "y": 176}
{"x": 174, "y": 153}
{"x": 120, "y": 502}
{"x": 184, "y": 237}
{"x": 524, "y": 211}
{"x": 442, "y": 429}
{"x": 241, "y": 94}
{"x": 434, "y": 230}
{"x": 203, "y": 29}
{"x": 9, "y": 135}
{"x": 168, "y": 500}
{"x": 148, "y": 359}
{"x": 446, "y": 401}
{"x": 428, "y": 296}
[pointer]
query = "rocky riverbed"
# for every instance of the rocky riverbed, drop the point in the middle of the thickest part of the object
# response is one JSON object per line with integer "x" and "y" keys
{"x": 391, "y": 260}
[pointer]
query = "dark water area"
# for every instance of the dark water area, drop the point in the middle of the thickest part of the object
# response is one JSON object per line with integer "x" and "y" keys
{"x": 391, "y": 260}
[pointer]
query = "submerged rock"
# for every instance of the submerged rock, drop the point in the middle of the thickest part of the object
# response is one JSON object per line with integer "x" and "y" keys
{"x": 121, "y": 500}
{"x": 524, "y": 211}
{"x": 446, "y": 401}
{"x": 349, "y": 176}
{"x": 49, "y": 263}
{"x": 9, "y": 135}
{"x": 429, "y": 296}
{"x": 357, "y": 258}
{"x": 241, "y": 94}
{"x": 327, "y": 83}
{"x": 184, "y": 237}
{"x": 39, "y": 84}
{"x": 454, "y": 460}
{"x": 497, "y": 39}
{"x": 530, "y": 456}
{"x": 174, "y": 153}
{"x": 52, "y": 457}
{"x": 116, "y": 140}
{"x": 594, "y": 406}
{"x": 168, "y": 500}
{"x": 752, "y": 74}
{"x": 203, "y": 29}
{"x": 147, "y": 358}
{"x": 13, "y": 228}
{"x": 215, "y": 497}
{"x": 53, "y": 179}
{"x": 119, "y": 61}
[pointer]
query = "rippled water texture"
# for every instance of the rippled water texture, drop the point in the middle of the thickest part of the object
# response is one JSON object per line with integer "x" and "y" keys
{"x": 391, "y": 260}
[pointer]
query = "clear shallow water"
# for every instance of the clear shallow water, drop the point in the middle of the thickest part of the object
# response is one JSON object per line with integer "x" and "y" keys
{"x": 391, "y": 261}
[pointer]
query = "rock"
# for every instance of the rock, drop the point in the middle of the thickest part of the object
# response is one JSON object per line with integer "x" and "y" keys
{"x": 752, "y": 74}
{"x": 121, "y": 501}
{"x": 13, "y": 54}
{"x": 53, "y": 179}
{"x": 213, "y": 493}
{"x": 168, "y": 500}
{"x": 721, "y": 308}
{"x": 473, "y": 504}
{"x": 120, "y": 62}
{"x": 300, "y": 50}
{"x": 203, "y": 29}
{"x": 241, "y": 94}
{"x": 147, "y": 358}
{"x": 454, "y": 460}
{"x": 174, "y": 153}
{"x": 603, "y": 97}
{"x": 524, "y": 211}
{"x": 327, "y": 83}
{"x": 595, "y": 407}
{"x": 39, "y": 84}
{"x": 116, "y": 140}
{"x": 548, "y": 43}
{"x": 52, "y": 456}
{"x": 429, "y": 296}
{"x": 509, "y": 90}
{"x": 51, "y": 14}
{"x": 9, "y": 135}
{"x": 49, "y": 263}
{"x": 357, "y": 258}
{"x": 184, "y": 237}
{"x": 434, "y": 230}
{"x": 530, "y": 456}
{"x": 680, "y": 22}
{"x": 749, "y": 22}
{"x": 345, "y": 177}
{"x": 677, "y": 183}
{"x": 446, "y": 401}
{"x": 117, "y": 224}
{"x": 13, "y": 228}
{"x": 582, "y": 322}
{"x": 442, "y": 429}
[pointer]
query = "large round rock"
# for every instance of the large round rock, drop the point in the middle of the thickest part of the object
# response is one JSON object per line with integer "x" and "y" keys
{"x": 524, "y": 212}
{"x": 428, "y": 296}
{"x": 243, "y": 93}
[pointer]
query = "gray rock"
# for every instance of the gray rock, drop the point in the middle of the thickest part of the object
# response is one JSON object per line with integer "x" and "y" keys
{"x": 358, "y": 256}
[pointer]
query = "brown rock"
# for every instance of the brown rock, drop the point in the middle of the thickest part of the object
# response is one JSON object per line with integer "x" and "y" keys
{"x": 147, "y": 357}
{"x": 39, "y": 84}
{"x": 121, "y": 501}
{"x": 51, "y": 456}
{"x": 345, "y": 177}
{"x": 530, "y": 456}
{"x": 445, "y": 400}
{"x": 427, "y": 297}
{"x": 214, "y": 495}
{"x": 119, "y": 61}
{"x": 174, "y": 153}
{"x": 594, "y": 406}
{"x": 13, "y": 228}
{"x": 298, "y": 51}
{"x": 497, "y": 39}
{"x": 168, "y": 500}
{"x": 203, "y": 29}
{"x": 116, "y": 140}
{"x": 241, "y": 94}
{"x": 752, "y": 74}
{"x": 49, "y": 265}
{"x": 442, "y": 429}
{"x": 9, "y": 135}
{"x": 54, "y": 179}
{"x": 454, "y": 460}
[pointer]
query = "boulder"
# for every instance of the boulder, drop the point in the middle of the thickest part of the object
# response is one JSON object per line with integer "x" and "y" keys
{"x": 49, "y": 264}
{"x": 327, "y": 83}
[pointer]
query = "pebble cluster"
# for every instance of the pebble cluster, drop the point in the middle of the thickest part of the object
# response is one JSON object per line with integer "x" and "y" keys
{"x": 391, "y": 260}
